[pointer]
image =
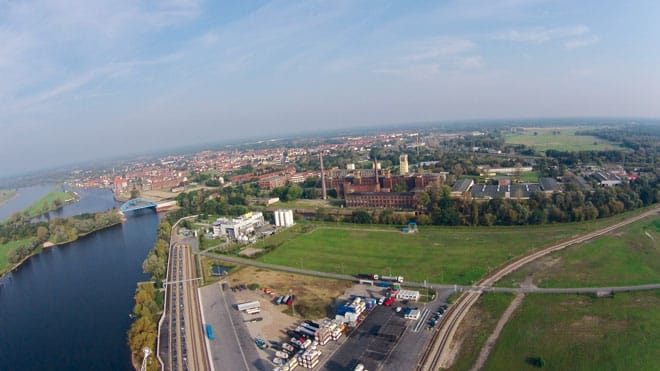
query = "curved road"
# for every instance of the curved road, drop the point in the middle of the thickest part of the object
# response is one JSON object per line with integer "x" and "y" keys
{"x": 433, "y": 358}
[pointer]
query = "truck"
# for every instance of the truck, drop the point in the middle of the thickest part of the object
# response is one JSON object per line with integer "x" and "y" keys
{"x": 248, "y": 305}
{"x": 371, "y": 276}
{"x": 392, "y": 278}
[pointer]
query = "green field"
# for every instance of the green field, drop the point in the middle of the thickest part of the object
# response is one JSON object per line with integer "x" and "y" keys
{"x": 47, "y": 203}
{"x": 437, "y": 254}
{"x": 477, "y": 326}
{"x": 630, "y": 256}
{"x": 572, "y": 332}
{"x": 566, "y": 140}
{"x": 6, "y": 195}
{"x": 6, "y": 248}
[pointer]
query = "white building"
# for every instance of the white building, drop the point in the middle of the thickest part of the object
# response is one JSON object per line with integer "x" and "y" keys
{"x": 412, "y": 314}
{"x": 284, "y": 218}
{"x": 240, "y": 229}
{"x": 407, "y": 295}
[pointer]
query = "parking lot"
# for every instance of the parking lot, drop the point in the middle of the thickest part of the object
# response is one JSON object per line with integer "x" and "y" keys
{"x": 233, "y": 347}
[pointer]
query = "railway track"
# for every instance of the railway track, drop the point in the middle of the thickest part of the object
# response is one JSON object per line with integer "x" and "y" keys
{"x": 433, "y": 356}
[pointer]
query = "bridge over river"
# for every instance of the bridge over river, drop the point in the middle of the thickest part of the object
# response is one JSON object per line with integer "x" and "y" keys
{"x": 140, "y": 203}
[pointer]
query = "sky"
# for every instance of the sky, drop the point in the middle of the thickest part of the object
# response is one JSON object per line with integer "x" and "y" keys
{"x": 90, "y": 79}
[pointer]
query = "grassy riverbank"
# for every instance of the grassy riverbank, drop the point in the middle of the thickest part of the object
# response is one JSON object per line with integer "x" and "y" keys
{"x": 50, "y": 202}
{"x": 6, "y": 195}
{"x": 57, "y": 232}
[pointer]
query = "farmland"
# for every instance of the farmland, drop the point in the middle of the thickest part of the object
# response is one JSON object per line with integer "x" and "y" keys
{"x": 559, "y": 138}
{"x": 436, "y": 254}
{"x": 627, "y": 257}
{"x": 573, "y": 332}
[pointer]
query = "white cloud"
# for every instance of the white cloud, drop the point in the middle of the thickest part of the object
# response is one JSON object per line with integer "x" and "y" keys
{"x": 49, "y": 48}
{"x": 582, "y": 42}
{"x": 430, "y": 57}
{"x": 540, "y": 34}
{"x": 471, "y": 62}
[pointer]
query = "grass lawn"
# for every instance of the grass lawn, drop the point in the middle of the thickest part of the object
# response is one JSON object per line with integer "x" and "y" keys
{"x": 6, "y": 195}
{"x": 37, "y": 208}
{"x": 630, "y": 256}
{"x": 566, "y": 140}
{"x": 572, "y": 332}
{"x": 437, "y": 254}
{"x": 6, "y": 248}
{"x": 477, "y": 326}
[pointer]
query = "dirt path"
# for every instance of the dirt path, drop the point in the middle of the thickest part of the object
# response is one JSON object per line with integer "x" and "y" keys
{"x": 492, "y": 339}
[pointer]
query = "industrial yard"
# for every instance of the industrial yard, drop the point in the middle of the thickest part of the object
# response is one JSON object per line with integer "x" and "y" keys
{"x": 359, "y": 324}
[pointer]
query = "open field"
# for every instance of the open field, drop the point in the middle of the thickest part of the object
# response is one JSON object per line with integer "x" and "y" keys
{"x": 478, "y": 324}
{"x": 566, "y": 140}
{"x": 573, "y": 332}
{"x": 437, "y": 254}
{"x": 630, "y": 256}
{"x": 6, "y": 195}
{"x": 6, "y": 248}
{"x": 47, "y": 203}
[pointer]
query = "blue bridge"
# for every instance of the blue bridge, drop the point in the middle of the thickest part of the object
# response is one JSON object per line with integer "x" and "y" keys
{"x": 137, "y": 204}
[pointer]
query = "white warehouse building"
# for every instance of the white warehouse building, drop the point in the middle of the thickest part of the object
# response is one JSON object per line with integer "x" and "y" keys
{"x": 284, "y": 218}
{"x": 239, "y": 229}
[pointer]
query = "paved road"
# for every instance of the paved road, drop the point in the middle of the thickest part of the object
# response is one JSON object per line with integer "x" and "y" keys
{"x": 182, "y": 331}
{"x": 435, "y": 355}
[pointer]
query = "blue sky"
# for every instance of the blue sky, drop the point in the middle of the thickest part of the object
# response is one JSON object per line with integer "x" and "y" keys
{"x": 83, "y": 79}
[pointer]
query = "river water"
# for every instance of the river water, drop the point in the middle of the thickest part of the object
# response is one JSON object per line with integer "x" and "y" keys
{"x": 67, "y": 308}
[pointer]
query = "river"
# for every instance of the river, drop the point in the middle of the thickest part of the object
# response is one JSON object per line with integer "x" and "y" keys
{"x": 67, "y": 308}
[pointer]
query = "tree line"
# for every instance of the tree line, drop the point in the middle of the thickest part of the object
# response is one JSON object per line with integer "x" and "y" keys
{"x": 57, "y": 231}
{"x": 436, "y": 207}
{"x": 149, "y": 300}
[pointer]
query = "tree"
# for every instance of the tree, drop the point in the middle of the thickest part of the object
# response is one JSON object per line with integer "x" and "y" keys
{"x": 42, "y": 234}
{"x": 154, "y": 266}
{"x": 361, "y": 217}
{"x": 400, "y": 187}
{"x": 293, "y": 192}
{"x": 135, "y": 193}
{"x": 13, "y": 256}
{"x": 422, "y": 200}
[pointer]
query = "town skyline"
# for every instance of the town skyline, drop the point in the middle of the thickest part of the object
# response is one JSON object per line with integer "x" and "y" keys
{"x": 86, "y": 81}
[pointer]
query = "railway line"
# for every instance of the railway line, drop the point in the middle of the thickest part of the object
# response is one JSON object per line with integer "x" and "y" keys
{"x": 434, "y": 356}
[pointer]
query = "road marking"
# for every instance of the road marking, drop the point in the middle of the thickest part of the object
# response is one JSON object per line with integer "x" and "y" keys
{"x": 247, "y": 368}
{"x": 206, "y": 338}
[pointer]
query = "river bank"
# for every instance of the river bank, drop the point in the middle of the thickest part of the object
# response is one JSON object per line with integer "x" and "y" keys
{"x": 6, "y": 195}
{"x": 50, "y": 244}
{"x": 53, "y": 201}
{"x": 72, "y": 302}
